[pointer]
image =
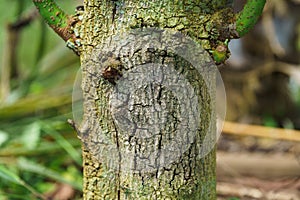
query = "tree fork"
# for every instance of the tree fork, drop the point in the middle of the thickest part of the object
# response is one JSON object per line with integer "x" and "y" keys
{"x": 230, "y": 26}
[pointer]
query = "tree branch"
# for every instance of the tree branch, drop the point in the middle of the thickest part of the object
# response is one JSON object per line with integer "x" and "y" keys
{"x": 55, "y": 17}
{"x": 247, "y": 18}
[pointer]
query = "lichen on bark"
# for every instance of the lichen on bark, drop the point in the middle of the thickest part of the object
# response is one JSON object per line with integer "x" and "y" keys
{"x": 190, "y": 177}
{"x": 187, "y": 174}
{"x": 208, "y": 21}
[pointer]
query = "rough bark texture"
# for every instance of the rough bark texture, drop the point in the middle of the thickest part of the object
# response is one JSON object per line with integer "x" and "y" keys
{"x": 190, "y": 176}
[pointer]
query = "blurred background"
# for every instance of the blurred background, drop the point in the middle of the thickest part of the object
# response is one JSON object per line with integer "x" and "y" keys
{"x": 262, "y": 82}
{"x": 40, "y": 155}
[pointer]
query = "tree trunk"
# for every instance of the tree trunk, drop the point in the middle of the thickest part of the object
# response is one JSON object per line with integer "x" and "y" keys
{"x": 142, "y": 138}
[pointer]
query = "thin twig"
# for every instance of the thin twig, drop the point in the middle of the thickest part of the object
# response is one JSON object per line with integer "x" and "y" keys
{"x": 247, "y": 18}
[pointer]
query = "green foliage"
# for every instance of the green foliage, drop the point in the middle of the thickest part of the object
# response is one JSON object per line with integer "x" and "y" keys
{"x": 3, "y": 137}
{"x": 269, "y": 121}
{"x": 220, "y": 54}
{"x": 31, "y": 135}
{"x": 12, "y": 177}
{"x": 38, "y": 149}
{"x": 51, "y": 160}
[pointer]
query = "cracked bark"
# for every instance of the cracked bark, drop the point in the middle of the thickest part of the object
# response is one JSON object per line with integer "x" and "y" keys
{"x": 190, "y": 176}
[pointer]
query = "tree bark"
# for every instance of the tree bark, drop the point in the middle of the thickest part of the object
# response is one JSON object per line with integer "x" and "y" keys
{"x": 107, "y": 68}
